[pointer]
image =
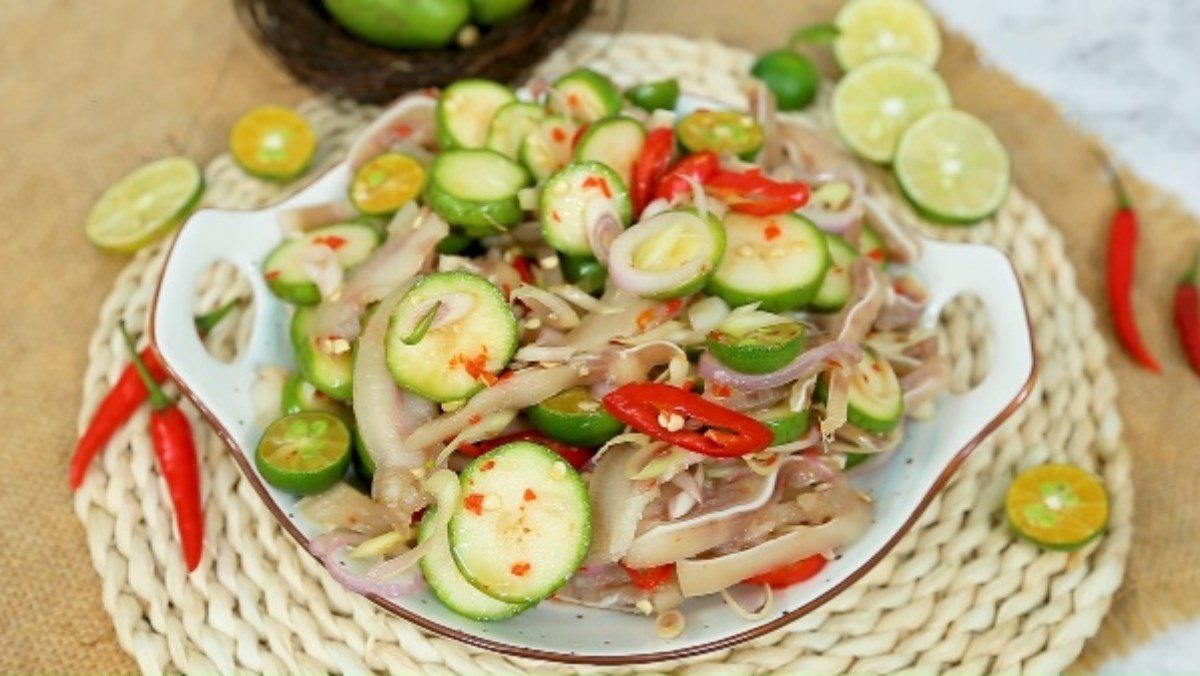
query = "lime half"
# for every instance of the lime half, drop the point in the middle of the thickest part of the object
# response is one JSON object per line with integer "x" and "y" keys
{"x": 868, "y": 29}
{"x": 875, "y": 103}
{"x": 304, "y": 453}
{"x": 144, "y": 205}
{"x": 273, "y": 143}
{"x": 1057, "y": 506}
{"x": 952, "y": 167}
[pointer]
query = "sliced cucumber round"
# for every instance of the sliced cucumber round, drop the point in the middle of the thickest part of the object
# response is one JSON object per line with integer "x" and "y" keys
{"x": 778, "y": 261}
{"x": 449, "y": 336}
{"x": 511, "y": 124}
{"x": 299, "y": 396}
{"x": 573, "y": 197}
{"x": 476, "y": 189}
{"x": 574, "y": 417}
{"x": 835, "y": 289}
{"x": 547, "y": 149}
{"x": 669, "y": 255}
{"x": 465, "y": 110}
{"x": 451, "y": 588}
{"x": 585, "y": 96}
{"x": 333, "y": 374}
{"x": 876, "y": 400}
{"x": 787, "y": 425}
{"x": 615, "y": 142}
{"x": 352, "y": 243}
{"x": 762, "y": 350}
{"x": 524, "y": 525}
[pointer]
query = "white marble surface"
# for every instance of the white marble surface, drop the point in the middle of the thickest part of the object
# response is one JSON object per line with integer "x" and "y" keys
{"x": 1129, "y": 71}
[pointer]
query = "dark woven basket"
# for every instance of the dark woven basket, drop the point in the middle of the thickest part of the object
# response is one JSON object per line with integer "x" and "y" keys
{"x": 319, "y": 53}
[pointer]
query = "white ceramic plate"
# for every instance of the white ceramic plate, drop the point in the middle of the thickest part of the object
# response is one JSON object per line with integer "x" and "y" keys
{"x": 901, "y": 488}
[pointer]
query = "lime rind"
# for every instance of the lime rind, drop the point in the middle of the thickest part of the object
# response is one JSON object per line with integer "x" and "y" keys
{"x": 875, "y": 103}
{"x": 869, "y": 29}
{"x": 952, "y": 167}
{"x": 145, "y": 205}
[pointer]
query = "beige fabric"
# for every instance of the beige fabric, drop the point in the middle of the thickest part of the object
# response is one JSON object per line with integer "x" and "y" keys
{"x": 99, "y": 90}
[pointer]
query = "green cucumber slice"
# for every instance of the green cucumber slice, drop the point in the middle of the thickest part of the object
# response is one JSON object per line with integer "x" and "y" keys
{"x": 476, "y": 189}
{"x": 876, "y": 400}
{"x": 778, "y": 261}
{"x": 615, "y": 142}
{"x": 679, "y": 243}
{"x": 304, "y": 453}
{"x": 465, "y": 110}
{"x": 721, "y": 131}
{"x": 299, "y": 396}
{"x": 787, "y": 425}
{"x": 524, "y": 525}
{"x": 835, "y": 289}
{"x": 585, "y": 96}
{"x": 547, "y": 149}
{"x": 569, "y": 198}
{"x": 511, "y": 124}
{"x": 333, "y": 374}
{"x": 652, "y": 96}
{"x": 352, "y": 243}
{"x": 574, "y": 417}
{"x": 451, "y": 588}
{"x": 762, "y": 350}
{"x": 468, "y": 339}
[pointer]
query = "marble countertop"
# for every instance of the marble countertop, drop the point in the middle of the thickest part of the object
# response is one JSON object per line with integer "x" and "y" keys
{"x": 1129, "y": 72}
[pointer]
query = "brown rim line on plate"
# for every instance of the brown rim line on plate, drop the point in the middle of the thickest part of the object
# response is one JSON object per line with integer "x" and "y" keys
{"x": 240, "y": 457}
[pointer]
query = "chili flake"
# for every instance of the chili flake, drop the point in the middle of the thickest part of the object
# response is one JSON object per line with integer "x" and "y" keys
{"x": 596, "y": 182}
{"x": 772, "y": 231}
{"x": 487, "y": 466}
{"x": 530, "y": 495}
{"x": 333, "y": 242}
{"x": 271, "y": 275}
{"x": 474, "y": 503}
{"x": 520, "y": 569}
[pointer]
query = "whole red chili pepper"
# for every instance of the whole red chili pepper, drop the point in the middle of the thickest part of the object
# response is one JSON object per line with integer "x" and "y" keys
{"x": 1187, "y": 312}
{"x": 665, "y": 411}
{"x": 1122, "y": 250}
{"x": 649, "y": 579}
{"x": 171, "y": 435}
{"x": 698, "y": 166}
{"x": 753, "y": 194}
{"x": 118, "y": 406}
{"x": 576, "y": 457}
{"x": 790, "y": 574}
{"x": 650, "y": 166}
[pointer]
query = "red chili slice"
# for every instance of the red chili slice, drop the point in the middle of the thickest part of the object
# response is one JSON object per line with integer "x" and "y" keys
{"x": 723, "y": 433}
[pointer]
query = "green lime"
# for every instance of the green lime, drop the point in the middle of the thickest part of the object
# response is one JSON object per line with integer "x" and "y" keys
{"x": 273, "y": 143}
{"x": 402, "y": 24}
{"x": 1057, "y": 506}
{"x": 952, "y": 167}
{"x": 304, "y": 453}
{"x": 574, "y": 417}
{"x": 868, "y": 29}
{"x": 787, "y": 425}
{"x": 874, "y": 103}
{"x": 585, "y": 272}
{"x": 720, "y": 131}
{"x": 144, "y": 205}
{"x": 651, "y": 96}
{"x": 491, "y": 12}
{"x": 790, "y": 76}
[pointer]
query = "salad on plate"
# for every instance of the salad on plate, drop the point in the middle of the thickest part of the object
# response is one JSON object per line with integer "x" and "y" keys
{"x": 585, "y": 350}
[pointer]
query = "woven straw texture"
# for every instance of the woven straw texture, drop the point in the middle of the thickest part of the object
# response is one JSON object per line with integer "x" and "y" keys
{"x": 958, "y": 593}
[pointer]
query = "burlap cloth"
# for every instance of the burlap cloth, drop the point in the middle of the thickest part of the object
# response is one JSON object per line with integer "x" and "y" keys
{"x": 90, "y": 90}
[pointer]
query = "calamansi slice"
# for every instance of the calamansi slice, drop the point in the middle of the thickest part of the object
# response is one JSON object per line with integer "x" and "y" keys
{"x": 952, "y": 167}
{"x": 1057, "y": 506}
{"x": 386, "y": 183}
{"x": 272, "y": 142}
{"x": 868, "y": 29}
{"x": 874, "y": 103}
{"x": 304, "y": 453}
{"x": 144, "y": 205}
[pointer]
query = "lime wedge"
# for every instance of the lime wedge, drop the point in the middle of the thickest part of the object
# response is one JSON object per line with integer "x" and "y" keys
{"x": 874, "y": 103}
{"x": 272, "y": 143}
{"x": 1057, "y": 506}
{"x": 952, "y": 167}
{"x": 144, "y": 205}
{"x": 304, "y": 453}
{"x": 868, "y": 29}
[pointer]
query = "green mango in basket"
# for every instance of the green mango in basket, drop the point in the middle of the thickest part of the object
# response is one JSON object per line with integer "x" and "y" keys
{"x": 490, "y": 12}
{"x": 402, "y": 24}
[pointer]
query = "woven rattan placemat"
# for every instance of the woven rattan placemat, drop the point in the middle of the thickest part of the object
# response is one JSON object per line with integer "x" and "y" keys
{"x": 958, "y": 592}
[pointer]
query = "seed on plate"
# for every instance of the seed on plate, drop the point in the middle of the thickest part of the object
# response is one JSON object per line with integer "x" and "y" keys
{"x": 669, "y": 624}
